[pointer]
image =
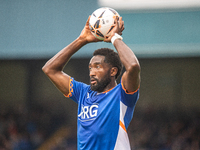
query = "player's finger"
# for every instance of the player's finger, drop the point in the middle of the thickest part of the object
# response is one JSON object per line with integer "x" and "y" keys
{"x": 122, "y": 27}
{"x": 115, "y": 20}
{"x": 88, "y": 20}
{"x": 121, "y": 22}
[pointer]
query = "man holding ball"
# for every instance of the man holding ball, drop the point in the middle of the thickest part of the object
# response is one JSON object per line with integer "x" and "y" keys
{"x": 105, "y": 108}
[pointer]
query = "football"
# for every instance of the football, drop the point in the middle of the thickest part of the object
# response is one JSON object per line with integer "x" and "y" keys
{"x": 102, "y": 21}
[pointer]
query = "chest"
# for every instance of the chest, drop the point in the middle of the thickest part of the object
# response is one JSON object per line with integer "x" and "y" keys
{"x": 93, "y": 106}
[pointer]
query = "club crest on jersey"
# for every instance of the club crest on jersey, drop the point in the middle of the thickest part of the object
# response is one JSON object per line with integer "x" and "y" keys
{"x": 88, "y": 112}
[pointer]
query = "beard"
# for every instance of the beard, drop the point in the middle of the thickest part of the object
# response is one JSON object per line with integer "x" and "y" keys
{"x": 101, "y": 85}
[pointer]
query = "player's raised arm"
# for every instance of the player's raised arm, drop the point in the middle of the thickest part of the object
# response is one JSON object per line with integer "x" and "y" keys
{"x": 54, "y": 67}
{"x": 131, "y": 77}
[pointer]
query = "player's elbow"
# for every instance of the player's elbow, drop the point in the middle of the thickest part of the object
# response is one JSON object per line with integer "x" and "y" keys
{"x": 46, "y": 69}
{"x": 134, "y": 68}
{"x": 49, "y": 70}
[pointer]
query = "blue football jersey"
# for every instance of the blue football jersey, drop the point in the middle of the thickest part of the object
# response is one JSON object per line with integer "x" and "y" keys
{"x": 103, "y": 118}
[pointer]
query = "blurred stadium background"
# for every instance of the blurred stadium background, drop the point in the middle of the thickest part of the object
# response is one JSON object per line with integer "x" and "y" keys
{"x": 165, "y": 35}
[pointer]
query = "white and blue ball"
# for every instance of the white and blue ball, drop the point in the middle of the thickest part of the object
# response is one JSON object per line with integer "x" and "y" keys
{"x": 102, "y": 21}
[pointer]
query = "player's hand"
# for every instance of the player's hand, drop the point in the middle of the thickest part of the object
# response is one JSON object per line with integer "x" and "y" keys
{"x": 86, "y": 34}
{"x": 119, "y": 27}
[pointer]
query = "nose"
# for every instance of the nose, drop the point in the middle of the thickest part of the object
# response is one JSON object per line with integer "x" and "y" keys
{"x": 92, "y": 72}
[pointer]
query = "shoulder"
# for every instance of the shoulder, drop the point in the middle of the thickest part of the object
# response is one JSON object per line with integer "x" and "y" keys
{"x": 76, "y": 87}
{"x": 128, "y": 98}
{"x": 77, "y": 84}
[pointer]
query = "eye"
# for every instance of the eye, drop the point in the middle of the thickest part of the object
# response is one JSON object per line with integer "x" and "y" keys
{"x": 98, "y": 66}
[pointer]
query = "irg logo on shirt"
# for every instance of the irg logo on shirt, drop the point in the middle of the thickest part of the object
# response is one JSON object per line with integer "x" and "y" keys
{"x": 88, "y": 112}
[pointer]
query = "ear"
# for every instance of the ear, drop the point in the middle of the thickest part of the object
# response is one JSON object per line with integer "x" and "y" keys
{"x": 113, "y": 71}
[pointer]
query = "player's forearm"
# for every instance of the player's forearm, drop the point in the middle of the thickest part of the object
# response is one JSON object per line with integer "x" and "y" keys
{"x": 127, "y": 57}
{"x": 58, "y": 62}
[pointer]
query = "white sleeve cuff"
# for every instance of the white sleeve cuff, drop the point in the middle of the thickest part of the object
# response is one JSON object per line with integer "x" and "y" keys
{"x": 116, "y": 36}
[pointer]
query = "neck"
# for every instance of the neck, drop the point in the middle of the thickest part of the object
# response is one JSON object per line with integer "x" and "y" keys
{"x": 109, "y": 86}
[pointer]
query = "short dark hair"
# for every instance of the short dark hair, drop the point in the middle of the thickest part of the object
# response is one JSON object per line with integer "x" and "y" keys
{"x": 111, "y": 57}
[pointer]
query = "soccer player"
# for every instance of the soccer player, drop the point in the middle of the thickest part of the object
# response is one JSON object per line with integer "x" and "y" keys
{"x": 105, "y": 108}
